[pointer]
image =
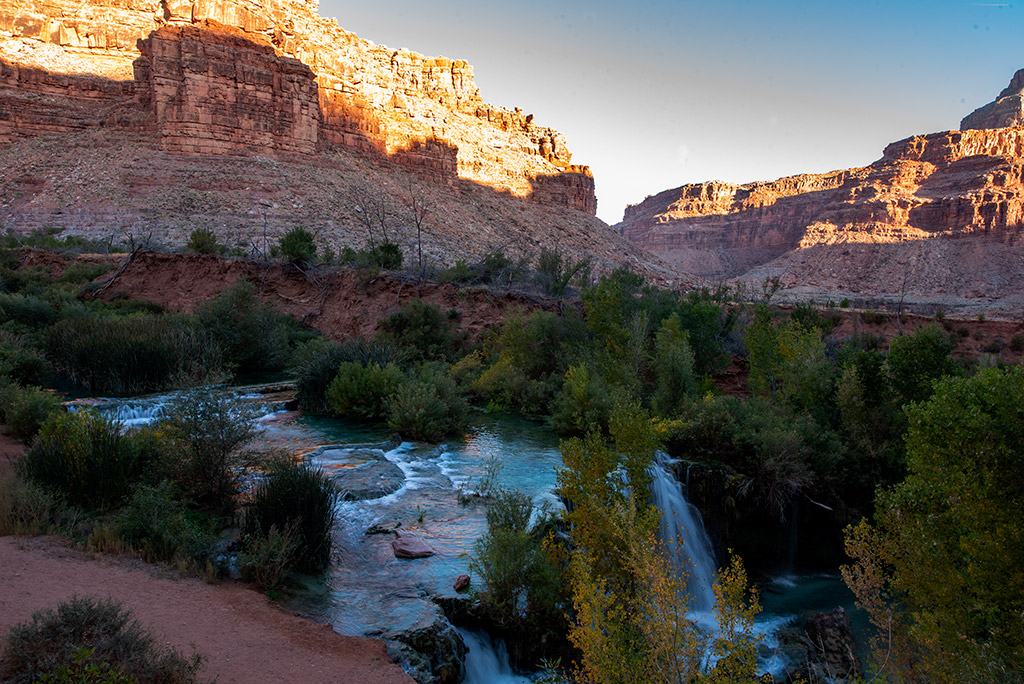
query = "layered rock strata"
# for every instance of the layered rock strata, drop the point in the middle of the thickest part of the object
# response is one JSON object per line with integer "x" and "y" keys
{"x": 1006, "y": 110}
{"x": 237, "y": 76}
{"x": 939, "y": 217}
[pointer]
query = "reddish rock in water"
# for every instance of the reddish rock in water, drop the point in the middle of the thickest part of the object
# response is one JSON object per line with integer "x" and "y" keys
{"x": 410, "y": 546}
{"x": 461, "y": 583}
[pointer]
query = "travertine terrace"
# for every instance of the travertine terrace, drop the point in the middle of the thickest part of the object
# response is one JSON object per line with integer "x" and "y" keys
{"x": 938, "y": 220}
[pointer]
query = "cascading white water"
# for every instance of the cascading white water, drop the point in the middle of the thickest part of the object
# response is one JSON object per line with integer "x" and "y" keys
{"x": 487, "y": 663}
{"x": 683, "y": 534}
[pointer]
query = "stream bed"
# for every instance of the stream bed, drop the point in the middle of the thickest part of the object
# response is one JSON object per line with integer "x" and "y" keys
{"x": 370, "y": 592}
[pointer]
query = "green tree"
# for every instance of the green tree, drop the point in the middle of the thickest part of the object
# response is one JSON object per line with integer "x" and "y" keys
{"x": 916, "y": 361}
{"x": 203, "y": 241}
{"x": 942, "y": 571}
{"x": 673, "y": 367}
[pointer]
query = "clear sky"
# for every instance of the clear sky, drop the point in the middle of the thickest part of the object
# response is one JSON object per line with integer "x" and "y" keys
{"x": 654, "y": 94}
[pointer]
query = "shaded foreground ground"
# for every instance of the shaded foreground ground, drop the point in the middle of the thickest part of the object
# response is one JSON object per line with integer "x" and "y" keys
{"x": 244, "y": 636}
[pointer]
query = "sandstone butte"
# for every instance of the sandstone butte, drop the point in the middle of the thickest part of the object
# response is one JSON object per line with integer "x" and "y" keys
{"x": 938, "y": 221}
{"x": 153, "y": 117}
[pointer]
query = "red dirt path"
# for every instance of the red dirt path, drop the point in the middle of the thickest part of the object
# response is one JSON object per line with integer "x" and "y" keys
{"x": 244, "y": 636}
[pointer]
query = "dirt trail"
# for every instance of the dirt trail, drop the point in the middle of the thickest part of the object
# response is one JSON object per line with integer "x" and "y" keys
{"x": 244, "y": 636}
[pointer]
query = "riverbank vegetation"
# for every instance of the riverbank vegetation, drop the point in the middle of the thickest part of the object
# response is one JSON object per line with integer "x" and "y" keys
{"x": 825, "y": 433}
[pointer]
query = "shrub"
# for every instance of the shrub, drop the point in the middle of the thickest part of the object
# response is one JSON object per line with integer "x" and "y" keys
{"x": 293, "y": 500}
{"x": 518, "y": 577}
{"x": 316, "y": 363}
{"x": 203, "y": 241}
{"x": 23, "y": 364}
{"x": 555, "y": 272}
{"x": 56, "y": 642}
{"x": 203, "y": 432}
{"x": 421, "y": 331}
{"x": 250, "y": 333}
{"x": 80, "y": 272}
{"x": 157, "y": 524}
{"x": 123, "y": 355}
{"x": 25, "y": 409}
{"x": 26, "y": 508}
{"x": 363, "y": 391}
{"x": 872, "y": 317}
{"x": 84, "y": 456}
{"x": 269, "y": 557}
{"x": 427, "y": 406}
{"x": 298, "y": 246}
{"x": 28, "y": 310}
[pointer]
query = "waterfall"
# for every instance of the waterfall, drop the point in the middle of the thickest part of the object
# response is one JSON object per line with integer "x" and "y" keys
{"x": 486, "y": 663}
{"x": 682, "y": 531}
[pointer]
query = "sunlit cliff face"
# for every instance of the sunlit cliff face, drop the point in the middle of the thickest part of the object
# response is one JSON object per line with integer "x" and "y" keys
{"x": 285, "y": 78}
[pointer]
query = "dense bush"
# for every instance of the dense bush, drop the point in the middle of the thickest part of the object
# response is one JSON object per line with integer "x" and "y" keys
{"x": 556, "y": 271}
{"x": 86, "y": 457}
{"x": 382, "y": 255}
{"x": 251, "y": 335}
{"x": 25, "y": 409}
{"x": 22, "y": 363}
{"x": 133, "y": 354}
{"x": 422, "y": 331}
{"x": 160, "y": 526}
{"x": 315, "y": 364}
{"x": 519, "y": 579}
{"x": 298, "y": 246}
{"x": 203, "y": 241}
{"x": 29, "y": 310}
{"x": 495, "y": 268}
{"x": 673, "y": 367}
{"x": 63, "y": 644}
{"x": 427, "y": 406}
{"x": 203, "y": 431}
{"x": 293, "y": 500}
{"x": 363, "y": 391}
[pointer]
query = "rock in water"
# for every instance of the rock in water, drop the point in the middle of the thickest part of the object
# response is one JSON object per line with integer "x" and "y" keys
{"x": 408, "y": 545}
{"x": 829, "y": 632}
{"x": 461, "y": 583}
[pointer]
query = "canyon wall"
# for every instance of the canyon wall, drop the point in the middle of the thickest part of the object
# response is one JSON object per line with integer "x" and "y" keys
{"x": 245, "y": 77}
{"x": 939, "y": 216}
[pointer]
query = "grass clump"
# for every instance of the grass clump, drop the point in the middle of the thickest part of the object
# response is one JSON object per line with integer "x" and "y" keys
{"x": 26, "y": 508}
{"x": 288, "y": 520}
{"x": 91, "y": 640}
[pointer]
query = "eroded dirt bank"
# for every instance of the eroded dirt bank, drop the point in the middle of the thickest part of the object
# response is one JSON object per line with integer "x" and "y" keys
{"x": 243, "y": 635}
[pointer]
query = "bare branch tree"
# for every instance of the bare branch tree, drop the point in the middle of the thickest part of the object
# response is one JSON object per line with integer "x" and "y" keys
{"x": 418, "y": 211}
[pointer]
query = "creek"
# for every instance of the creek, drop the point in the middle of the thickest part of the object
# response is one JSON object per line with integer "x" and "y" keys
{"x": 370, "y": 592}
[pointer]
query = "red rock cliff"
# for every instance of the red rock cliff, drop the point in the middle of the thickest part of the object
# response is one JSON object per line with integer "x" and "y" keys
{"x": 939, "y": 214}
{"x": 239, "y": 76}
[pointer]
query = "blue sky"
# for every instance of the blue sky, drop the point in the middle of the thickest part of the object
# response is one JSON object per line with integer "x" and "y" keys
{"x": 656, "y": 94}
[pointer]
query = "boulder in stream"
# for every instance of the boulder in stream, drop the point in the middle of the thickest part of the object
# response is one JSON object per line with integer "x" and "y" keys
{"x": 361, "y": 474}
{"x": 461, "y": 583}
{"x": 429, "y": 648}
{"x": 408, "y": 545}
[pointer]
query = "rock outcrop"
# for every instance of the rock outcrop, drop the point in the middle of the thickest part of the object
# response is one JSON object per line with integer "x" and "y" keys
{"x": 1007, "y": 109}
{"x": 939, "y": 218}
{"x": 243, "y": 77}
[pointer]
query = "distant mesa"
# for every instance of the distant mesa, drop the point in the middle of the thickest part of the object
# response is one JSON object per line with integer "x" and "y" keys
{"x": 938, "y": 221}
{"x": 1006, "y": 111}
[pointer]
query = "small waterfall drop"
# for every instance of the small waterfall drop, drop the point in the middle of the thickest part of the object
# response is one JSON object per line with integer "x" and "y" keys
{"x": 487, "y": 663}
{"x": 682, "y": 531}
